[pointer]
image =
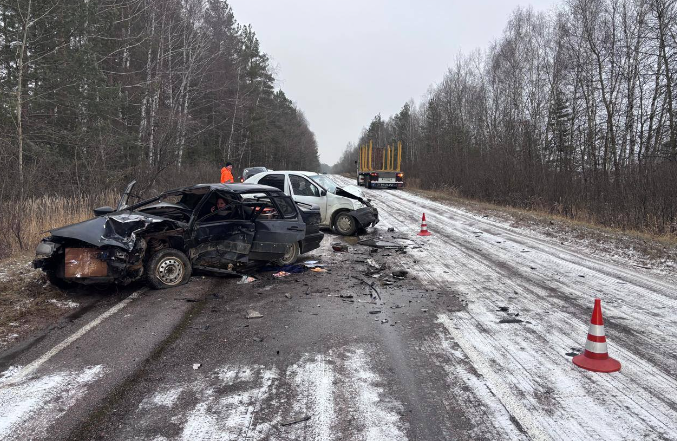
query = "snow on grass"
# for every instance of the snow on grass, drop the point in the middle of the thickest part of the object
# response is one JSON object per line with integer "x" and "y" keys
{"x": 28, "y": 408}
{"x": 67, "y": 304}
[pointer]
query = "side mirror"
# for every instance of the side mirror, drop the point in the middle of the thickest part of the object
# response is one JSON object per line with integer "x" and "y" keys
{"x": 323, "y": 192}
{"x": 103, "y": 210}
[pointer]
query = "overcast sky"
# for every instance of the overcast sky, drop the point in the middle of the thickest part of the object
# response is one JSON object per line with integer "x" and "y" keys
{"x": 342, "y": 62}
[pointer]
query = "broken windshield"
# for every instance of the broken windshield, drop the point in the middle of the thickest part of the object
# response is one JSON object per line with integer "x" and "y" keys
{"x": 325, "y": 182}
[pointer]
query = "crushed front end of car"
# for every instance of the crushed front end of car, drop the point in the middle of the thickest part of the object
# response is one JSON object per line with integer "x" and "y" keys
{"x": 367, "y": 214}
{"x": 101, "y": 250}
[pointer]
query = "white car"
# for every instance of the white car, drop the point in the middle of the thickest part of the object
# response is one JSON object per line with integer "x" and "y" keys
{"x": 343, "y": 208}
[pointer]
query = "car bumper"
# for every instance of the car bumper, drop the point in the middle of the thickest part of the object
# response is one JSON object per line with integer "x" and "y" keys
{"x": 311, "y": 242}
{"x": 365, "y": 216}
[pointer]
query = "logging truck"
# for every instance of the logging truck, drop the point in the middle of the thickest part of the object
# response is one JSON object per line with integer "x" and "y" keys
{"x": 380, "y": 166}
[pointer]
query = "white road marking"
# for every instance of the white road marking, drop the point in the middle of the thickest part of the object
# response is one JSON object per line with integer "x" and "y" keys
{"x": 32, "y": 367}
{"x": 497, "y": 386}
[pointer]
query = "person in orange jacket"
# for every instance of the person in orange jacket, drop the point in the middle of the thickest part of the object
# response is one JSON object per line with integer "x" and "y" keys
{"x": 226, "y": 174}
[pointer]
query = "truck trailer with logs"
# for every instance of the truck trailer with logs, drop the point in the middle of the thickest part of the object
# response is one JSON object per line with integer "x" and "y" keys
{"x": 380, "y": 166}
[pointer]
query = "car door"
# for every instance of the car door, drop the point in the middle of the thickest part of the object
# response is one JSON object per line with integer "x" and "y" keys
{"x": 277, "y": 228}
{"x": 221, "y": 237}
{"x": 305, "y": 190}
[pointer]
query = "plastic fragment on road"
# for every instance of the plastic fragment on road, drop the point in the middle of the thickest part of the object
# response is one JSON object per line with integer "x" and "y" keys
{"x": 197, "y": 366}
{"x": 246, "y": 279}
{"x": 253, "y": 314}
{"x": 318, "y": 270}
{"x": 313, "y": 264}
{"x": 281, "y": 274}
{"x": 296, "y": 420}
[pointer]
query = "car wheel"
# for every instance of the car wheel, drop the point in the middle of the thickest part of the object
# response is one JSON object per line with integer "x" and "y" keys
{"x": 345, "y": 224}
{"x": 367, "y": 182}
{"x": 293, "y": 252}
{"x": 168, "y": 268}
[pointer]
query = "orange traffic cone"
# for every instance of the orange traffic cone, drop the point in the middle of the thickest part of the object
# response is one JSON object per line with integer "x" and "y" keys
{"x": 596, "y": 358}
{"x": 424, "y": 227}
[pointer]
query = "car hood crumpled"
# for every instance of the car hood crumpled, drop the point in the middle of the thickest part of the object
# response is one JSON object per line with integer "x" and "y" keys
{"x": 116, "y": 229}
{"x": 352, "y": 192}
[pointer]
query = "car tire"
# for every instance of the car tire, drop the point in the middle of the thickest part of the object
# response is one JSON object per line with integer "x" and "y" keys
{"x": 289, "y": 258}
{"x": 168, "y": 268}
{"x": 367, "y": 182}
{"x": 345, "y": 224}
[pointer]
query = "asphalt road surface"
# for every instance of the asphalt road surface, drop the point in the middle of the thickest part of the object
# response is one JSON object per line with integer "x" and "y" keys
{"x": 475, "y": 342}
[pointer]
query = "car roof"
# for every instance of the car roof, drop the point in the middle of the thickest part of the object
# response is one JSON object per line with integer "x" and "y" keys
{"x": 298, "y": 172}
{"x": 230, "y": 188}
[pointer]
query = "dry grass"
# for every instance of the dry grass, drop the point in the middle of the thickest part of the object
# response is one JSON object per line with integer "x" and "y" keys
{"x": 25, "y": 223}
{"x": 27, "y": 301}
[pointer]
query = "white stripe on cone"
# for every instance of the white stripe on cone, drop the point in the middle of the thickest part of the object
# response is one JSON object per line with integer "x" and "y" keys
{"x": 596, "y": 330}
{"x": 597, "y": 348}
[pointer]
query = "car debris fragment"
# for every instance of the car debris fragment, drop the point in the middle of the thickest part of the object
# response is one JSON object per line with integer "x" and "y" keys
{"x": 336, "y": 246}
{"x": 246, "y": 279}
{"x": 400, "y": 274}
{"x": 296, "y": 420}
{"x": 253, "y": 314}
{"x": 381, "y": 244}
{"x": 281, "y": 274}
{"x": 197, "y": 366}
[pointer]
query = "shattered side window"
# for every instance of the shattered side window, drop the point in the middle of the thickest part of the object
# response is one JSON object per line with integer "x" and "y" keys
{"x": 286, "y": 206}
{"x": 221, "y": 207}
{"x": 275, "y": 180}
{"x": 259, "y": 206}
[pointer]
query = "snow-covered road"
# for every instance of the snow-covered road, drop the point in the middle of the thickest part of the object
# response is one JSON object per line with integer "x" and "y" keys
{"x": 525, "y": 365}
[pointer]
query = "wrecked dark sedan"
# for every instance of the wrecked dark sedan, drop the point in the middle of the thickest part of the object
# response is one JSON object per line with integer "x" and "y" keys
{"x": 217, "y": 228}
{"x": 345, "y": 209}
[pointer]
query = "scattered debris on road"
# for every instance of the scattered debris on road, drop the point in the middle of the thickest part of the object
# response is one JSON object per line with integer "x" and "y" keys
{"x": 246, "y": 279}
{"x": 281, "y": 274}
{"x": 339, "y": 247}
{"x": 287, "y": 295}
{"x": 510, "y": 320}
{"x": 197, "y": 366}
{"x": 253, "y": 314}
{"x": 381, "y": 244}
{"x": 400, "y": 274}
{"x": 295, "y": 421}
{"x": 318, "y": 270}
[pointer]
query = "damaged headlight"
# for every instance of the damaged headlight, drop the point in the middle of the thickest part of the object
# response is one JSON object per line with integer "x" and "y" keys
{"x": 46, "y": 248}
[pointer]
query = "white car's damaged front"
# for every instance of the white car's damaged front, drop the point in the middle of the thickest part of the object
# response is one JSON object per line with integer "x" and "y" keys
{"x": 347, "y": 207}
